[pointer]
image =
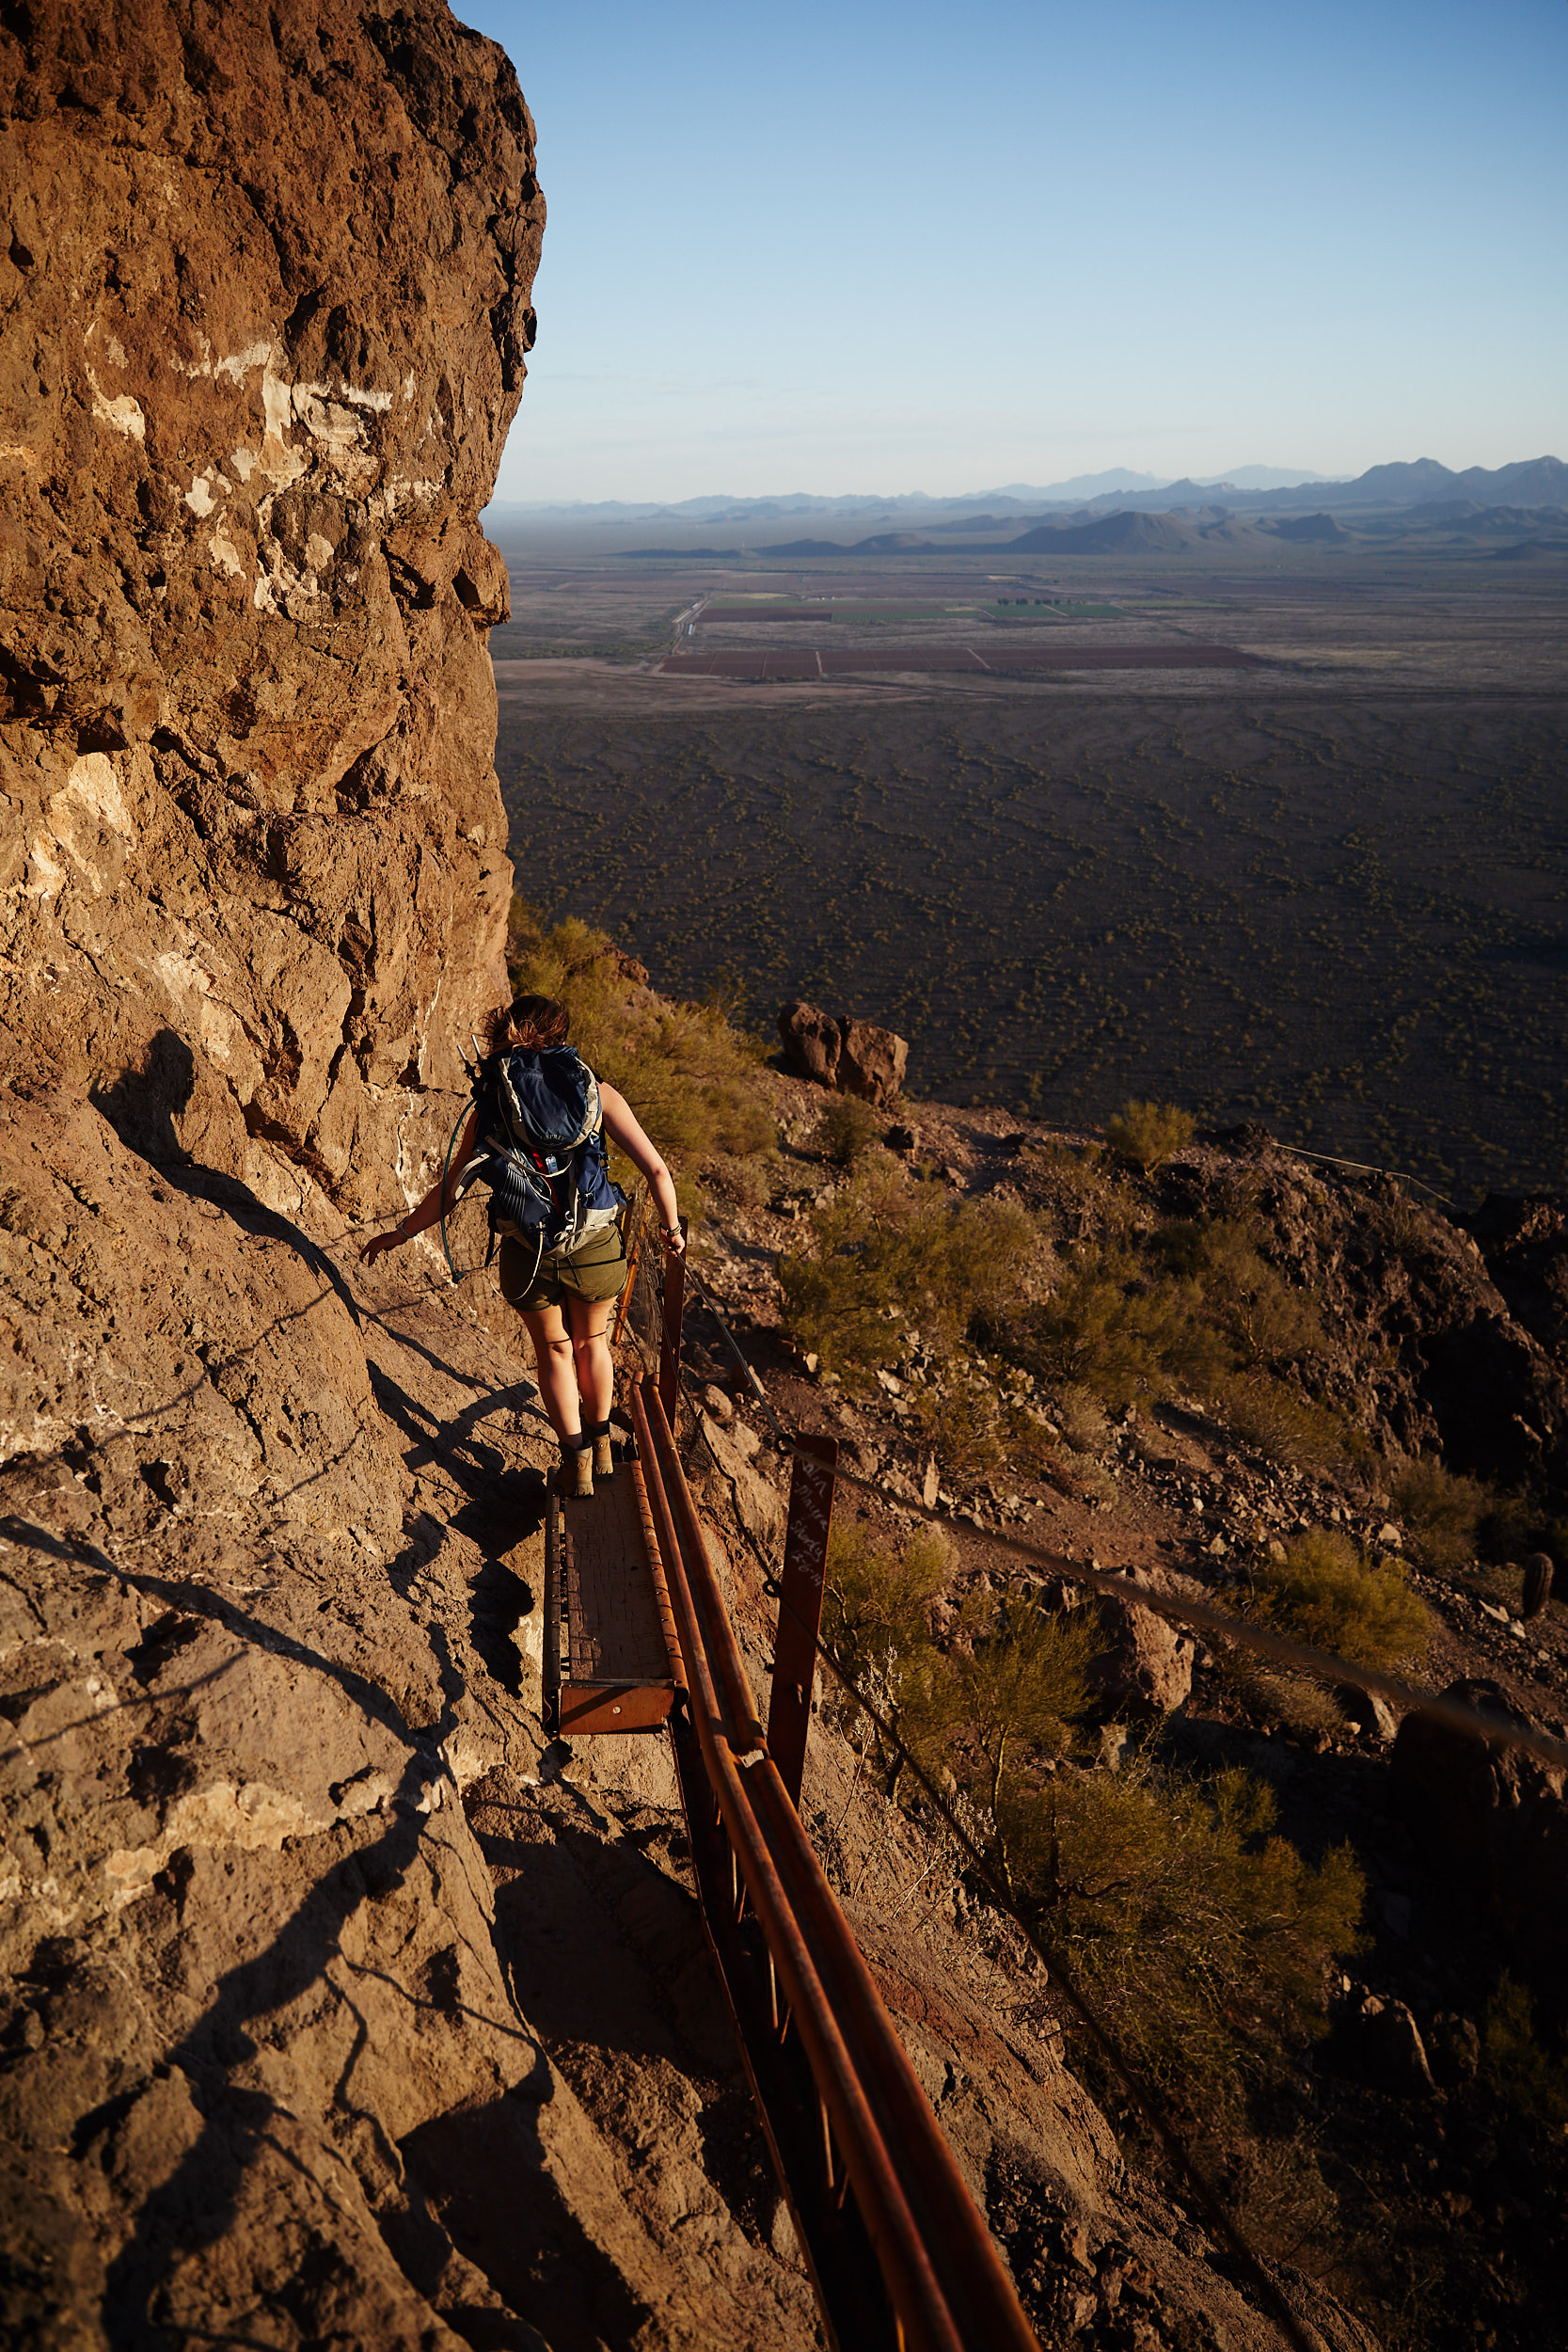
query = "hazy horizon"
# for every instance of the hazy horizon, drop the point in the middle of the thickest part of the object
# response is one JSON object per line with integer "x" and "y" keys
{"x": 868, "y": 248}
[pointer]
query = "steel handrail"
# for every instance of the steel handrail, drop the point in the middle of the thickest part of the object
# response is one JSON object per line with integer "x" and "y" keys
{"x": 971, "y": 2273}
{"x": 922, "y": 2310}
{"x": 945, "y": 2282}
{"x": 744, "y": 1731}
{"x": 706, "y": 1712}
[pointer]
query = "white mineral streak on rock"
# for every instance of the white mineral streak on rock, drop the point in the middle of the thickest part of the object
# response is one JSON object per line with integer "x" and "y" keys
{"x": 122, "y": 412}
{"x": 224, "y": 554}
{"x": 94, "y": 784}
{"x": 220, "y": 1030}
{"x": 253, "y": 1817}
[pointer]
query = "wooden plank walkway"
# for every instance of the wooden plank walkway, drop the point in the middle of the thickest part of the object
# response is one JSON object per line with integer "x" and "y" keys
{"x": 612, "y": 1642}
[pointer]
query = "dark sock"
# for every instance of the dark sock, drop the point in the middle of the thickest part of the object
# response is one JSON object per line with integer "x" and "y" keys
{"x": 592, "y": 1429}
{"x": 578, "y": 1444}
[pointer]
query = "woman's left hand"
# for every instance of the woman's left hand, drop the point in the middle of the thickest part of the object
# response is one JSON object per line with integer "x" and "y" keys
{"x": 377, "y": 1243}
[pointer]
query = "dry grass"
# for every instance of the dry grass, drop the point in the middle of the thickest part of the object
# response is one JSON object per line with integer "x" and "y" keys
{"x": 687, "y": 1070}
{"x": 888, "y": 1254}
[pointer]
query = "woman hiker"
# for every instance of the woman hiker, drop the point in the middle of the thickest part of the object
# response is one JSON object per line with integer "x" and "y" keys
{"x": 562, "y": 1253}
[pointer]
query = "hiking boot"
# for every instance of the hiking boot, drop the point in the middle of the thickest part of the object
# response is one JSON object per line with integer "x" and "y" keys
{"x": 574, "y": 1475}
{"x": 604, "y": 1460}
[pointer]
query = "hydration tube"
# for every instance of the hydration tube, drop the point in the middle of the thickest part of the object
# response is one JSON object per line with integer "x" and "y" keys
{"x": 445, "y": 1167}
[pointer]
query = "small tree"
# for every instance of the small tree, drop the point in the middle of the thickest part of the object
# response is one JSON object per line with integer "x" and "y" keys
{"x": 1147, "y": 1133}
{"x": 1333, "y": 1597}
{"x": 847, "y": 1129}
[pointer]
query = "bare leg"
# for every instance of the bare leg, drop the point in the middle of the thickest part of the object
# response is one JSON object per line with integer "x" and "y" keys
{"x": 553, "y": 1361}
{"x": 596, "y": 1367}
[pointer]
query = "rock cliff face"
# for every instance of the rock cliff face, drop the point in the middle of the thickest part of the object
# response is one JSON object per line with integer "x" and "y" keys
{"x": 265, "y": 298}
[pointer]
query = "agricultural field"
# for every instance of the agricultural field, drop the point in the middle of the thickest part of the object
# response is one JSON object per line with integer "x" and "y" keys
{"x": 1328, "y": 894}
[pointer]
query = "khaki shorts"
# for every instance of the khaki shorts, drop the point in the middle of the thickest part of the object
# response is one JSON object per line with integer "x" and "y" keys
{"x": 596, "y": 1270}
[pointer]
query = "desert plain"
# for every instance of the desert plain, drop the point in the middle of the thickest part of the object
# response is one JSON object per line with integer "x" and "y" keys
{"x": 1274, "y": 829}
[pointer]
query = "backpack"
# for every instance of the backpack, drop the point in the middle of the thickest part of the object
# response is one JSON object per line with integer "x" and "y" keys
{"x": 539, "y": 1118}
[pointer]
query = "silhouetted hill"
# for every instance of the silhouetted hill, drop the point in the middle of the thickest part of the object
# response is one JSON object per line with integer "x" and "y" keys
{"x": 1114, "y": 534}
{"x": 1307, "y": 528}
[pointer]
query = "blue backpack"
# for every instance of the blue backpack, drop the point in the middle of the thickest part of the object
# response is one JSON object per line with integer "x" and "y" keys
{"x": 540, "y": 1148}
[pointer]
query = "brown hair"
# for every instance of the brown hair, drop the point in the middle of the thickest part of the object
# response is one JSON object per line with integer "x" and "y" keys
{"x": 532, "y": 1022}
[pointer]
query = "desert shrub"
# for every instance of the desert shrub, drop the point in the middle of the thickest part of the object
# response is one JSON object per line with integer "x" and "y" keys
{"x": 978, "y": 1425}
{"x": 876, "y": 1621}
{"x": 1443, "y": 1511}
{"x": 1333, "y": 1597}
{"x": 1272, "y": 1694}
{"x": 1147, "y": 1133}
{"x": 1087, "y": 1189}
{"x": 1265, "y": 1320}
{"x": 1017, "y": 1678}
{"x": 1531, "y": 2075}
{"x": 887, "y": 1253}
{"x": 1514, "y": 1524}
{"x": 1081, "y": 1420}
{"x": 1276, "y": 1420}
{"x": 1196, "y": 1932}
{"x": 687, "y": 1071}
{"x": 1198, "y": 1308}
{"x": 847, "y": 1129}
{"x": 876, "y": 1602}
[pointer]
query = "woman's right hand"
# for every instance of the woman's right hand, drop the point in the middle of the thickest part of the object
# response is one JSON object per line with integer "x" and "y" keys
{"x": 379, "y": 1242}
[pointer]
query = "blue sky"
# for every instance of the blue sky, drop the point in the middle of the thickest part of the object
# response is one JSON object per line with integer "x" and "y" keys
{"x": 873, "y": 249}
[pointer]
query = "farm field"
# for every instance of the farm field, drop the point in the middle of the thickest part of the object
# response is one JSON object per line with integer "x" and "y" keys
{"x": 762, "y": 661}
{"x": 1329, "y": 893}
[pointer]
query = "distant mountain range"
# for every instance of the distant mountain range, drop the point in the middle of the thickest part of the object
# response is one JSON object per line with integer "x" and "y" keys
{"x": 1534, "y": 482}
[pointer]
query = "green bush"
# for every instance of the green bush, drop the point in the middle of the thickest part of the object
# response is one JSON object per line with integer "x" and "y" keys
{"x": 1198, "y": 1933}
{"x": 685, "y": 1070}
{"x": 1147, "y": 1133}
{"x": 1272, "y": 1694}
{"x": 1265, "y": 1321}
{"x": 1087, "y": 1189}
{"x": 1444, "y": 1512}
{"x": 1529, "y": 2073}
{"x": 1331, "y": 1596}
{"x": 1195, "y": 1308}
{"x": 1017, "y": 1678}
{"x": 847, "y": 1129}
{"x": 1111, "y": 1328}
{"x": 888, "y": 1253}
{"x": 875, "y": 1622}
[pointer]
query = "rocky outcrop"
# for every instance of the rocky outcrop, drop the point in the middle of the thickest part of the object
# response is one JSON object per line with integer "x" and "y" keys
{"x": 853, "y": 1056}
{"x": 265, "y": 299}
{"x": 1426, "y": 1351}
{"x": 1146, "y": 1662}
{"x": 1495, "y": 1821}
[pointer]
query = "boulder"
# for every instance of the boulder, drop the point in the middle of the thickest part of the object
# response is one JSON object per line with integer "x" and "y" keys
{"x": 1493, "y": 1821}
{"x": 811, "y": 1042}
{"x": 1148, "y": 1662}
{"x": 1384, "y": 2046}
{"x": 852, "y": 1057}
{"x": 872, "y": 1062}
{"x": 760, "y": 1507}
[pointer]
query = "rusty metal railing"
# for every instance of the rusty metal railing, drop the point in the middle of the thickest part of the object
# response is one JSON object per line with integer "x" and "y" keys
{"x": 897, "y": 2250}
